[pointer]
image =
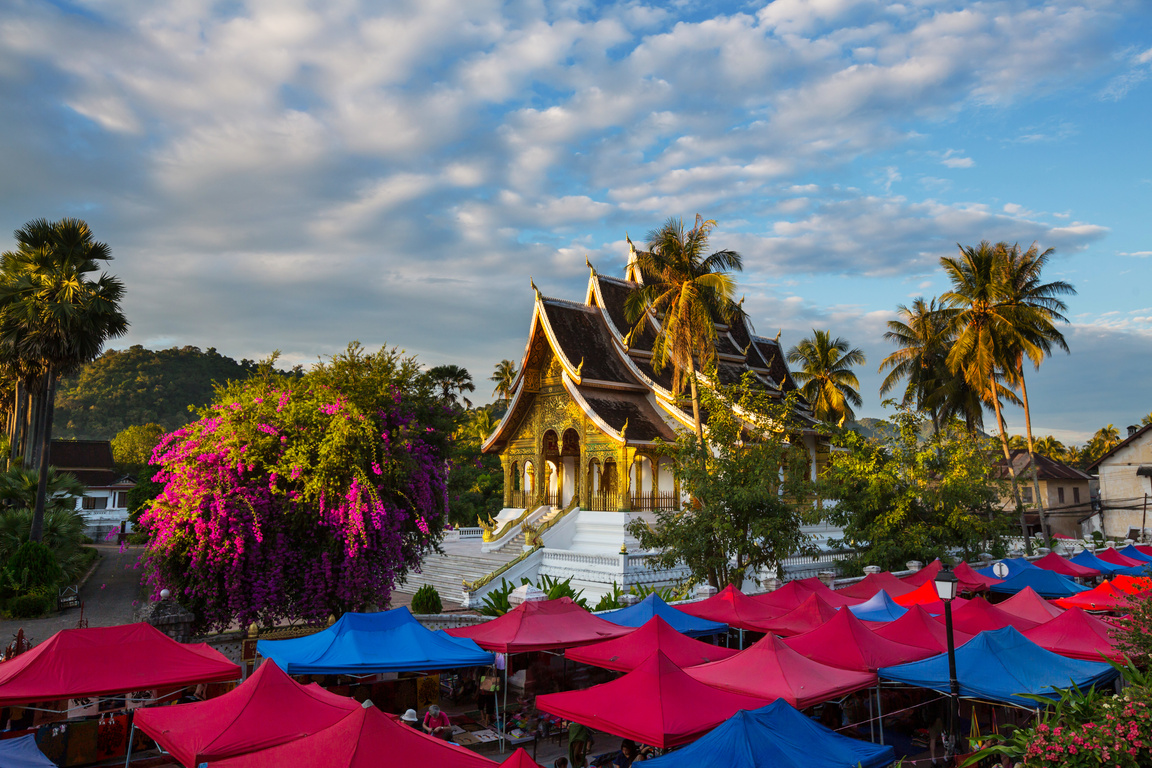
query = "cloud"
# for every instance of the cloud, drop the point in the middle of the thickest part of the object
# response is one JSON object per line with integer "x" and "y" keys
{"x": 1138, "y": 254}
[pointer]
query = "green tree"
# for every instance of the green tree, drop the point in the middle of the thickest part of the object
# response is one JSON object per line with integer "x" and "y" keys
{"x": 504, "y": 377}
{"x": 1146, "y": 420}
{"x": 1051, "y": 447}
{"x": 687, "y": 293}
{"x": 132, "y": 447}
{"x": 51, "y": 311}
{"x": 825, "y": 375}
{"x": 63, "y": 524}
{"x": 127, "y": 387}
{"x": 476, "y": 482}
{"x": 749, "y": 487}
{"x": 452, "y": 380}
{"x": 911, "y": 497}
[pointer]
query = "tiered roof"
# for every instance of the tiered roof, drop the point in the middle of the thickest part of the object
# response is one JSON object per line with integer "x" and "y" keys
{"x": 607, "y": 366}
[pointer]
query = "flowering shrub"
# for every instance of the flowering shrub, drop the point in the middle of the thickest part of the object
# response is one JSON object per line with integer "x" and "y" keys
{"x": 288, "y": 500}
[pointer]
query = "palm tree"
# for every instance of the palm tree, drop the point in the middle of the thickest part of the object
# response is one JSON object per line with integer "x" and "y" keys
{"x": 453, "y": 379}
{"x": 687, "y": 293}
{"x": 921, "y": 333}
{"x": 504, "y": 376}
{"x": 1146, "y": 420}
{"x": 1038, "y": 309}
{"x": 1051, "y": 447}
{"x": 52, "y": 313}
{"x": 825, "y": 375}
{"x": 1107, "y": 437}
{"x": 984, "y": 320}
{"x": 1017, "y": 442}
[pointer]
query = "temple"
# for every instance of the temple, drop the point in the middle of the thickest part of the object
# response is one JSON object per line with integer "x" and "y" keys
{"x": 578, "y": 444}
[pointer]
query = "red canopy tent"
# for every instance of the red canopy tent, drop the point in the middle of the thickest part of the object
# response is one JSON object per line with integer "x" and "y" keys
{"x": 1110, "y": 555}
{"x": 979, "y": 615}
{"x": 810, "y": 614}
{"x": 927, "y": 597}
{"x": 1103, "y": 598}
{"x": 1077, "y": 635}
{"x": 1143, "y": 548}
{"x": 791, "y": 595}
{"x": 867, "y": 587}
{"x": 366, "y": 738}
{"x": 268, "y": 709}
{"x": 1133, "y": 585}
{"x": 541, "y": 625}
{"x": 1028, "y": 605}
{"x": 920, "y": 628}
{"x": 85, "y": 663}
{"x": 1065, "y": 567}
{"x": 771, "y": 670}
{"x": 657, "y": 703}
{"x": 969, "y": 580}
{"x": 732, "y": 607}
{"x": 520, "y": 759}
{"x": 845, "y": 642}
{"x": 626, "y": 653}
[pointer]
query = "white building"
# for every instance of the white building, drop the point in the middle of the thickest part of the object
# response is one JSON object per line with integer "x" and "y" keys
{"x": 105, "y": 504}
{"x": 1125, "y": 474}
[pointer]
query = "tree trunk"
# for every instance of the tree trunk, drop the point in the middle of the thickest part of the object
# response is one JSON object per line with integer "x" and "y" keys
{"x": 696, "y": 403}
{"x": 1011, "y": 469}
{"x": 17, "y": 430}
{"x": 37, "y": 532}
{"x": 32, "y": 425}
{"x": 1032, "y": 456}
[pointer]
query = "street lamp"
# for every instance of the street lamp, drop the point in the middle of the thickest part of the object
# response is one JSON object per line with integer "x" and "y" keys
{"x": 946, "y": 584}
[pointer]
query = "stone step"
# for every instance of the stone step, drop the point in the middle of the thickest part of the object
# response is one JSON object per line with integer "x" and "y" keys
{"x": 461, "y": 561}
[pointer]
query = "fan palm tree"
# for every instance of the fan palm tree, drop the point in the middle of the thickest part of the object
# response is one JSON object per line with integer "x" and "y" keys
{"x": 453, "y": 379}
{"x": 921, "y": 333}
{"x": 504, "y": 376}
{"x": 687, "y": 293}
{"x": 53, "y": 313}
{"x": 825, "y": 375}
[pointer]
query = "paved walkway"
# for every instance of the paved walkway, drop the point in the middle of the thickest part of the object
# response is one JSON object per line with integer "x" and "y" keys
{"x": 108, "y": 597}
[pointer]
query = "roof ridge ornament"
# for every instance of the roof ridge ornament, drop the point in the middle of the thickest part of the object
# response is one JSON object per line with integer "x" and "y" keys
{"x": 580, "y": 368}
{"x": 778, "y": 332}
{"x": 534, "y": 288}
{"x": 589, "y": 264}
{"x": 624, "y": 430}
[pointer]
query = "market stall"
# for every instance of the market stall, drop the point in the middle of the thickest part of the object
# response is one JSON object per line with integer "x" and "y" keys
{"x": 626, "y": 653}
{"x": 1027, "y": 604}
{"x": 873, "y": 583}
{"x": 1077, "y": 635}
{"x": 879, "y": 608}
{"x": 638, "y": 615}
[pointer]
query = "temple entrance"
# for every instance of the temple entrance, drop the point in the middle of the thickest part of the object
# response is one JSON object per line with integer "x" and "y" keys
{"x": 601, "y": 487}
{"x": 569, "y": 467}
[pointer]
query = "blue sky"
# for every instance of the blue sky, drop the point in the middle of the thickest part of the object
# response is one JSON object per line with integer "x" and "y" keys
{"x": 286, "y": 175}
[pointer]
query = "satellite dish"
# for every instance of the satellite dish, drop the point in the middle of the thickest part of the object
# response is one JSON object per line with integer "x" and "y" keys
{"x": 1000, "y": 568}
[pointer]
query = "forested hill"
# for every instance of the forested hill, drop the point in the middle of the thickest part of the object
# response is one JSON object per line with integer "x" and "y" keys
{"x": 133, "y": 386}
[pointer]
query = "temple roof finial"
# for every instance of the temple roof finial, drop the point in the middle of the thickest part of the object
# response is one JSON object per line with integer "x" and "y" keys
{"x": 624, "y": 431}
{"x": 589, "y": 264}
{"x": 534, "y": 288}
{"x": 778, "y": 336}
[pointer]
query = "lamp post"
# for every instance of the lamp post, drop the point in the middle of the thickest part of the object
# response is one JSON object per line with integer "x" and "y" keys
{"x": 946, "y": 584}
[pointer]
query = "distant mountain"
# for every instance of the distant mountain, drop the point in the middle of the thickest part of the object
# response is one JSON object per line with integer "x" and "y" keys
{"x": 122, "y": 388}
{"x": 871, "y": 428}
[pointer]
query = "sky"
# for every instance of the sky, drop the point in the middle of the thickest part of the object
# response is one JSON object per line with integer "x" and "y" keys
{"x": 281, "y": 175}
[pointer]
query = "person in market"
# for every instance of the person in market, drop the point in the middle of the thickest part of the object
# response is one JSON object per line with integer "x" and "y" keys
{"x": 436, "y": 723}
{"x": 410, "y": 718}
{"x": 630, "y": 753}
{"x": 579, "y": 742}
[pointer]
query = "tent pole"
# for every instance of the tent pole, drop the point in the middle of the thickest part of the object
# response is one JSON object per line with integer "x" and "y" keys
{"x": 741, "y": 638}
{"x": 879, "y": 713}
{"x": 504, "y": 725}
{"x": 128, "y": 755}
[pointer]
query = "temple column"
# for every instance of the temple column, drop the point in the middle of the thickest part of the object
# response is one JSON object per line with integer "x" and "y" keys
{"x": 506, "y": 464}
{"x": 624, "y": 479}
{"x": 540, "y": 490}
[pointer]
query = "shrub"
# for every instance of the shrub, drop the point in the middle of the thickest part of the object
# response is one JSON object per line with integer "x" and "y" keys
{"x": 33, "y": 604}
{"x": 427, "y": 600}
{"x": 33, "y": 565}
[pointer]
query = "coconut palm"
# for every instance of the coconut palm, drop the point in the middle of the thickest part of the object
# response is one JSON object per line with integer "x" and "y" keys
{"x": 921, "y": 333}
{"x": 53, "y": 313}
{"x": 1107, "y": 437}
{"x": 1051, "y": 447}
{"x": 1146, "y": 420}
{"x": 453, "y": 379}
{"x": 984, "y": 321}
{"x": 1039, "y": 308}
{"x": 825, "y": 375}
{"x": 504, "y": 376}
{"x": 687, "y": 293}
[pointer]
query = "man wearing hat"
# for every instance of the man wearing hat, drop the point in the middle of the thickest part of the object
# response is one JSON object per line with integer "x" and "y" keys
{"x": 410, "y": 718}
{"x": 436, "y": 723}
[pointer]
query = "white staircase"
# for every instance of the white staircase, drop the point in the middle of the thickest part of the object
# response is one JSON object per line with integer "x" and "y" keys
{"x": 462, "y": 560}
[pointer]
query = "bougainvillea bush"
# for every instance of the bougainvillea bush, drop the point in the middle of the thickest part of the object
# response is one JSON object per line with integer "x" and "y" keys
{"x": 297, "y": 497}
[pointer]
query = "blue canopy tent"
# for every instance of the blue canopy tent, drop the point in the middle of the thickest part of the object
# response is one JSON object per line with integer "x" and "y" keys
{"x": 639, "y": 614}
{"x": 775, "y": 736}
{"x": 366, "y": 643}
{"x": 22, "y": 752}
{"x": 1046, "y": 584}
{"x": 1135, "y": 554}
{"x": 1090, "y": 560}
{"x": 879, "y": 607}
{"x": 1015, "y": 565}
{"x": 1000, "y": 665}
